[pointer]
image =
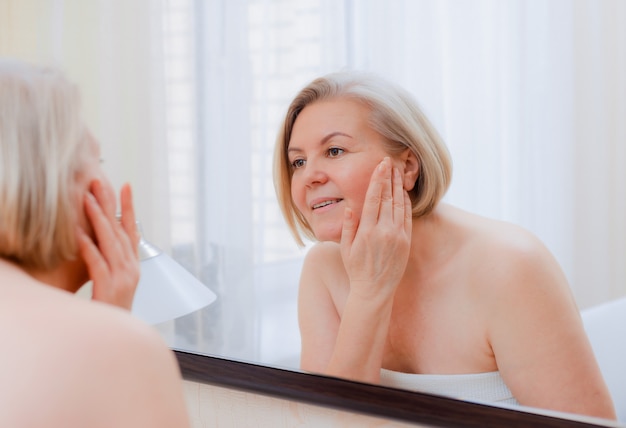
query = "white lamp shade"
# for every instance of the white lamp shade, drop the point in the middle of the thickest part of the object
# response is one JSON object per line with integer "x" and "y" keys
{"x": 167, "y": 291}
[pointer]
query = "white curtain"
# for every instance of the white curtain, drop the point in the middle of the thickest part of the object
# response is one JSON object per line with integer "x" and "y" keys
{"x": 186, "y": 97}
{"x": 530, "y": 97}
{"x": 110, "y": 49}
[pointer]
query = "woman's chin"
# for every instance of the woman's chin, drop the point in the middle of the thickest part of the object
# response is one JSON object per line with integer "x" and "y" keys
{"x": 328, "y": 235}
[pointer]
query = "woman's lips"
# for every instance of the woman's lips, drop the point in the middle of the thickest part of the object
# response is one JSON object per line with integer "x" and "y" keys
{"x": 325, "y": 203}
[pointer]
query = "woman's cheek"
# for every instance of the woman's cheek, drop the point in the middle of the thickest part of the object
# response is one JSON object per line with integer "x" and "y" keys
{"x": 298, "y": 197}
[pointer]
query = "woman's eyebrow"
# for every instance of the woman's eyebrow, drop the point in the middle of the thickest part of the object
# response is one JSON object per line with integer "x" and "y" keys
{"x": 323, "y": 141}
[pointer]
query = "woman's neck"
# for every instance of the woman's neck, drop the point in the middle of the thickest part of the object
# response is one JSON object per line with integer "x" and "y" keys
{"x": 68, "y": 276}
{"x": 435, "y": 237}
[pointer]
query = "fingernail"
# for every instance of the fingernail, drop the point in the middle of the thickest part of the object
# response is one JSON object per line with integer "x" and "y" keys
{"x": 95, "y": 185}
{"x": 382, "y": 166}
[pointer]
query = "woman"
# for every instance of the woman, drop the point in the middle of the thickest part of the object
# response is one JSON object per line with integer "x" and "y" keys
{"x": 406, "y": 290}
{"x": 70, "y": 362}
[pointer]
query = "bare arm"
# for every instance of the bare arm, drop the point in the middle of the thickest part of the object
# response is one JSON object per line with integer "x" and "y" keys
{"x": 149, "y": 379}
{"x": 88, "y": 365}
{"x": 318, "y": 316}
{"x": 539, "y": 341}
{"x": 126, "y": 379}
{"x": 374, "y": 252}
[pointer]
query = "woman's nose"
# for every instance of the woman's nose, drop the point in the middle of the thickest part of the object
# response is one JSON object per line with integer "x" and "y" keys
{"x": 314, "y": 174}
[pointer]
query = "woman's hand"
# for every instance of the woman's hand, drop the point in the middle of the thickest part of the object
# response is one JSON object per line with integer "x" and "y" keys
{"x": 375, "y": 250}
{"x": 112, "y": 258}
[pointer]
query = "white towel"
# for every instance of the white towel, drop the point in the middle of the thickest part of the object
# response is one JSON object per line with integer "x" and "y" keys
{"x": 483, "y": 387}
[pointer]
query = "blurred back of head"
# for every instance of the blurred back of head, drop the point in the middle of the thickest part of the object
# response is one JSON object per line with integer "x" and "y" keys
{"x": 42, "y": 142}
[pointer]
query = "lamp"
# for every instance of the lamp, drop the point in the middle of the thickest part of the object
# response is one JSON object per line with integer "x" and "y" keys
{"x": 166, "y": 290}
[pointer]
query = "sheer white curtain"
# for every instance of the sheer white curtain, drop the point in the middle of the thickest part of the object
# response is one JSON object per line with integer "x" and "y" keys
{"x": 186, "y": 97}
{"x": 529, "y": 96}
{"x": 110, "y": 49}
{"x": 599, "y": 243}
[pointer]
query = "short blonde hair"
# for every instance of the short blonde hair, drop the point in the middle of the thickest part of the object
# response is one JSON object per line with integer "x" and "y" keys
{"x": 394, "y": 114}
{"x": 42, "y": 143}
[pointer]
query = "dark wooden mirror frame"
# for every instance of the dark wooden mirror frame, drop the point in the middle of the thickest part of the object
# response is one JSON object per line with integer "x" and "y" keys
{"x": 373, "y": 400}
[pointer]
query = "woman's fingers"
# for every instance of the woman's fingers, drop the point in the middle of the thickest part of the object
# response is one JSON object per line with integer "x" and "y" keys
{"x": 399, "y": 202}
{"x": 375, "y": 248}
{"x": 348, "y": 231}
{"x": 112, "y": 260}
{"x": 386, "y": 199}
{"x": 374, "y": 194}
{"x": 408, "y": 215}
{"x": 118, "y": 242}
{"x": 105, "y": 198}
{"x": 103, "y": 228}
{"x": 129, "y": 224}
{"x": 386, "y": 210}
{"x": 96, "y": 265}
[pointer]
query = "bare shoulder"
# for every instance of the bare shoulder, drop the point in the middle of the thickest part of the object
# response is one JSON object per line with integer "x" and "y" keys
{"x": 532, "y": 323}
{"x": 323, "y": 252}
{"x": 114, "y": 369}
{"x": 503, "y": 254}
{"x": 511, "y": 272}
{"x": 323, "y": 263}
{"x": 118, "y": 337}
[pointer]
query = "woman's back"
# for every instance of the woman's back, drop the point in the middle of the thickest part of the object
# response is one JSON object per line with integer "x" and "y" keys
{"x": 69, "y": 362}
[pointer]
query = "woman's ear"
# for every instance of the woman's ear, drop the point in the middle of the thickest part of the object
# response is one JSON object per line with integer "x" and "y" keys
{"x": 411, "y": 169}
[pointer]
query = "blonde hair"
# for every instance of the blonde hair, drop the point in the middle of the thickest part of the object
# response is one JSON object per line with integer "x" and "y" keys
{"x": 394, "y": 115}
{"x": 42, "y": 142}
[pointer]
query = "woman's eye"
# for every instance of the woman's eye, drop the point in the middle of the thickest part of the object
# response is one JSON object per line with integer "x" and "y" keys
{"x": 334, "y": 152}
{"x": 298, "y": 163}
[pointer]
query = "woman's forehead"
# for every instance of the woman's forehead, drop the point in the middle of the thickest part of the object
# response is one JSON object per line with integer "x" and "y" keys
{"x": 328, "y": 116}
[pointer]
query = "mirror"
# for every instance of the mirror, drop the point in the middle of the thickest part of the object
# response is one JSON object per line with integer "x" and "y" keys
{"x": 395, "y": 405}
{"x": 186, "y": 98}
{"x": 509, "y": 104}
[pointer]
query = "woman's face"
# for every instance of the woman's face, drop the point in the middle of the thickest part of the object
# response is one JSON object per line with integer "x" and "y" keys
{"x": 90, "y": 170}
{"x": 333, "y": 152}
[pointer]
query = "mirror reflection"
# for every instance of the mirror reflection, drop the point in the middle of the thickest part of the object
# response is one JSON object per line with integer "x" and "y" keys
{"x": 506, "y": 99}
{"x": 527, "y": 96}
